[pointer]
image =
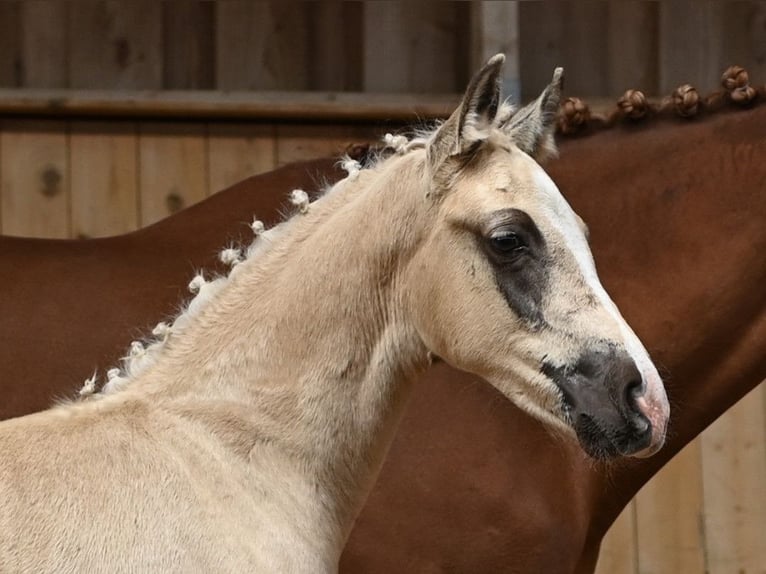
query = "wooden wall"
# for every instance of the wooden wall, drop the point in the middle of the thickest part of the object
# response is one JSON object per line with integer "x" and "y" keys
{"x": 375, "y": 46}
{"x": 81, "y": 178}
{"x": 76, "y": 177}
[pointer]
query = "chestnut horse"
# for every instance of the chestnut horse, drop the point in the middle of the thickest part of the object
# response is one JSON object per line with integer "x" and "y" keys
{"x": 678, "y": 204}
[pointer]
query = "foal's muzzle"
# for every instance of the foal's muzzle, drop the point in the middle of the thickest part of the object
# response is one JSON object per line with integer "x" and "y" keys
{"x": 601, "y": 392}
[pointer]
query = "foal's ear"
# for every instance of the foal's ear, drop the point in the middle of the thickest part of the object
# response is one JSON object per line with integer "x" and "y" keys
{"x": 532, "y": 127}
{"x": 471, "y": 123}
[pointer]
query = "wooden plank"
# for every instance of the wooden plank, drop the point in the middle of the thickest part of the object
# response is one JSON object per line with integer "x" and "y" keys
{"x": 669, "y": 517}
{"x": 172, "y": 168}
{"x": 239, "y": 151}
{"x": 188, "y": 33}
{"x": 239, "y": 105}
{"x": 300, "y": 142}
{"x": 495, "y": 28}
{"x": 335, "y": 45}
{"x": 103, "y": 165}
{"x": 632, "y": 47}
{"x": 415, "y": 47}
{"x": 541, "y": 32}
{"x": 34, "y": 179}
{"x": 11, "y": 75}
{"x": 744, "y": 39}
{"x": 618, "y": 549}
{"x": 44, "y": 45}
{"x": 690, "y": 43}
{"x": 115, "y": 44}
{"x": 734, "y": 473}
{"x": 261, "y": 45}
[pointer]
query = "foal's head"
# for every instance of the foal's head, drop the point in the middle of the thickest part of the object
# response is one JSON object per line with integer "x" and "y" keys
{"x": 505, "y": 286}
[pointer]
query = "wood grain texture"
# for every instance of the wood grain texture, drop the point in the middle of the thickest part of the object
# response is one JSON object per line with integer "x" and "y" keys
{"x": 669, "y": 517}
{"x": 188, "y": 39}
{"x": 44, "y": 44}
{"x": 632, "y": 47}
{"x": 115, "y": 45}
{"x": 10, "y": 45}
{"x": 173, "y": 171}
{"x": 572, "y": 35}
{"x": 299, "y": 142}
{"x": 335, "y": 40}
{"x": 618, "y": 549}
{"x": 733, "y": 475}
{"x": 691, "y": 36}
{"x": 236, "y": 152}
{"x": 413, "y": 47}
{"x": 261, "y": 45}
{"x": 495, "y": 29}
{"x": 34, "y": 179}
{"x": 104, "y": 176}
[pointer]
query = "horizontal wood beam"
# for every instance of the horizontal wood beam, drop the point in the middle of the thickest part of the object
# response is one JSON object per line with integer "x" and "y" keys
{"x": 200, "y": 105}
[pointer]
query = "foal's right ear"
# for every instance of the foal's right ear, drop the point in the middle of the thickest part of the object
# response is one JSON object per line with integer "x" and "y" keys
{"x": 471, "y": 123}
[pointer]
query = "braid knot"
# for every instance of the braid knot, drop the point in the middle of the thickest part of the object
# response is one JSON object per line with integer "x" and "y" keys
{"x": 633, "y": 104}
{"x": 573, "y": 115}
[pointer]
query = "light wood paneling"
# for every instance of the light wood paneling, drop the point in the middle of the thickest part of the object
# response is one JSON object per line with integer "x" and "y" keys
{"x": 104, "y": 176}
{"x": 298, "y": 142}
{"x": 669, "y": 518}
{"x": 734, "y": 479}
{"x": 173, "y": 170}
{"x": 115, "y": 44}
{"x": 618, "y": 549}
{"x": 34, "y": 179}
{"x": 239, "y": 151}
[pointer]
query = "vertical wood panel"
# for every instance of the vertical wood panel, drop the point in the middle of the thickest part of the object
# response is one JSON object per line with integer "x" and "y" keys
{"x": 414, "y": 47}
{"x": 10, "y": 45}
{"x": 173, "y": 170}
{"x": 632, "y": 47}
{"x": 299, "y": 142}
{"x": 573, "y": 35}
{"x": 690, "y": 44}
{"x": 188, "y": 34}
{"x": 239, "y": 151}
{"x": 733, "y": 474}
{"x": 115, "y": 44}
{"x": 261, "y": 45}
{"x": 541, "y": 30}
{"x": 495, "y": 28}
{"x": 744, "y": 42}
{"x": 669, "y": 517}
{"x": 34, "y": 179}
{"x": 618, "y": 549}
{"x": 335, "y": 45}
{"x": 103, "y": 166}
{"x": 44, "y": 44}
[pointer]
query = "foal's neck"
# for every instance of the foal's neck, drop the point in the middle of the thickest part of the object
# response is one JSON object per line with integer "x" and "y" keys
{"x": 308, "y": 344}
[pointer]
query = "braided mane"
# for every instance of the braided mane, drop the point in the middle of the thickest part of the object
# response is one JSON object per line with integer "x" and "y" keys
{"x": 576, "y": 119}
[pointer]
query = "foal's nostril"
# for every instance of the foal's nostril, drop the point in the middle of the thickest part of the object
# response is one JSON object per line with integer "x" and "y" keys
{"x": 633, "y": 390}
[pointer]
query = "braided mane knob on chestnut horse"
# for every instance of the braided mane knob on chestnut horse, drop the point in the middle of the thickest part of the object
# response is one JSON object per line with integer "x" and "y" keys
{"x": 246, "y": 436}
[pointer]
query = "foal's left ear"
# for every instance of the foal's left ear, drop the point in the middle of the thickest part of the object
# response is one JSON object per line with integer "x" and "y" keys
{"x": 532, "y": 127}
{"x": 471, "y": 123}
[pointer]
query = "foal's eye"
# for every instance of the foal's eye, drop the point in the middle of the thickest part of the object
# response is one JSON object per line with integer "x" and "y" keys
{"x": 508, "y": 244}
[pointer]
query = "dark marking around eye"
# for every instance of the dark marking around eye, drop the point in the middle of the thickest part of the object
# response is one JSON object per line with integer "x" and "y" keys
{"x": 521, "y": 275}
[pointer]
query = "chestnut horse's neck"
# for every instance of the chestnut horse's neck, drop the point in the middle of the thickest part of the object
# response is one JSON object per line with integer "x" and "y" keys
{"x": 701, "y": 248}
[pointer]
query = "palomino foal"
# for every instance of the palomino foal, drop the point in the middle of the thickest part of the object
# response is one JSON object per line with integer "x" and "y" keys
{"x": 246, "y": 437}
